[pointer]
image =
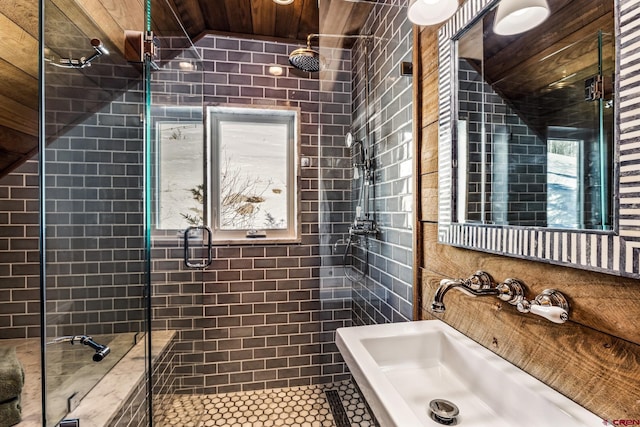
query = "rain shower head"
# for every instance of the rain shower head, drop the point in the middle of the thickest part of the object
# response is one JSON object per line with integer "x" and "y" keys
{"x": 309, "y": 60}
{"x": 306, "y": 59}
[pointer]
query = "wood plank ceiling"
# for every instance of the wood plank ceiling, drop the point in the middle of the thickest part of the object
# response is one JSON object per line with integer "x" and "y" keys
{"x": 107, "y": 20}
{"x": 262, "y": 18}
{"x": 268, "y": 20}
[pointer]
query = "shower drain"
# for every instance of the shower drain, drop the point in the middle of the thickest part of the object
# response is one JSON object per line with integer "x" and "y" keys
{"x": 443, "y": 412}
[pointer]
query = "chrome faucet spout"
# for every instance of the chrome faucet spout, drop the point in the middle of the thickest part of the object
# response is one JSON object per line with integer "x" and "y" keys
{"x": 477, "y": 285}
{"x": 445, "y": 285}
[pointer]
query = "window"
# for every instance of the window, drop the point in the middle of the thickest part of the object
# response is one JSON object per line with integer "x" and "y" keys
{"x": 180, "y": 171}
{"x": 253, "y": 173}
{"x": 564, "y": 176}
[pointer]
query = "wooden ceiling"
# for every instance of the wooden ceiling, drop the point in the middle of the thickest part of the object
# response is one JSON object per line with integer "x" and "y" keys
{"x": 18, "y": 81}
{"x": 262, "y": 18}
{"x": 108, "y": 20}
{"x": 268, "y": 20}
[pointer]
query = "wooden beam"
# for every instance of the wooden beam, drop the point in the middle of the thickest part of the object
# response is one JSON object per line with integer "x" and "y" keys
{"x": 309, "y": 19}
{"x": 287, "y": 20}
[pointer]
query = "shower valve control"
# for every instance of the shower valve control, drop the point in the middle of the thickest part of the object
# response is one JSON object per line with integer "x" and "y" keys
{"x": 363, "y": 227}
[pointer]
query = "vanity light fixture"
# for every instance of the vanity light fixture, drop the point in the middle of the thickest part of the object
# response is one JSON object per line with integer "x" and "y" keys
{"x": 518, "y": 16}
{"x": 430, "y": 12}
{"x": 283, "y": 1}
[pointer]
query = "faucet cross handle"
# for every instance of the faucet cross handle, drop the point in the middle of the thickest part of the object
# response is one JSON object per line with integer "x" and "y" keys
{"x": 550, "y": 304}
{"x": 480, "y": 280}
{"x": 511, "y": 291}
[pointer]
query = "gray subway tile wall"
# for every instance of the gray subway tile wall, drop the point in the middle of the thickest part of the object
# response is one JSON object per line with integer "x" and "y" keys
{"x": 19, "y": 257}
{"x": 94, "y": 212}
{"x": 261, "y": 316}
{"x": 386, "y": 294}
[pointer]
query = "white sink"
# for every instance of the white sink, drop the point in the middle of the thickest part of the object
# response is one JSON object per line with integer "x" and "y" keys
{"x": 401, "y": 367}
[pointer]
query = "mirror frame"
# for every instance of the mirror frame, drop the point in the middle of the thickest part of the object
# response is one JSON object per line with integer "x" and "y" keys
{"x": 613, "y": 252}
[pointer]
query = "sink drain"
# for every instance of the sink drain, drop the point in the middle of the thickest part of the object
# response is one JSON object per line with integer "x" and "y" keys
{"x": 443, "y": 412}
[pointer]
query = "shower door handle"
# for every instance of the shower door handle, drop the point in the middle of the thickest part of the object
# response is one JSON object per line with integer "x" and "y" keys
{"x": 193, "y": 262}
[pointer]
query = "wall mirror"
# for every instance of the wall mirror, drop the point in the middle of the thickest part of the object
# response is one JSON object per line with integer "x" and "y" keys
{"x": 537, "y": 149}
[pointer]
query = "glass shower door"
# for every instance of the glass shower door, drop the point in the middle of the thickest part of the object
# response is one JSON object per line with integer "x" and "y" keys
{"x": 92, "y": 224}
{"x": 175, "y": 172}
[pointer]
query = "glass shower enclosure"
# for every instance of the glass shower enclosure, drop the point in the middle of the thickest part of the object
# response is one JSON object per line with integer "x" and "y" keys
{"x": 101, "y": 95}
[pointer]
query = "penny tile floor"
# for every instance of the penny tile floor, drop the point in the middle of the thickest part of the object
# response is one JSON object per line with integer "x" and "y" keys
{"x": 305, "y": 406}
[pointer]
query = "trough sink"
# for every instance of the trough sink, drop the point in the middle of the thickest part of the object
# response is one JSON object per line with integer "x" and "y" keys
{"x": 401, "y": 367}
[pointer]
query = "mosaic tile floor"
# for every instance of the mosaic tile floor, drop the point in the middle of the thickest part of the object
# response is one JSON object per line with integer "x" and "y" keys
{"x": 307, "y": 406}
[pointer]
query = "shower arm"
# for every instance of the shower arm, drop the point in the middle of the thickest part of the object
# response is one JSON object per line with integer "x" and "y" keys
{"x": 337, "y": 36}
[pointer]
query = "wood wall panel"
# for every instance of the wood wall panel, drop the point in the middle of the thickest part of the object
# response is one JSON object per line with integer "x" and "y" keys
{"x": 429, "y": 151}
{"x": 594, "y": 358}
{"x": 429, "y": 199}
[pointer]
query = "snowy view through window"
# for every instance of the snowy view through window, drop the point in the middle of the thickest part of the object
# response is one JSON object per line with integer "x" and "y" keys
{"x": 253, "y": 175}
{"x": 563, "y": 192}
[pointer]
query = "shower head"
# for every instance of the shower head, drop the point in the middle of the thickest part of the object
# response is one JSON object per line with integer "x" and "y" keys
{"x": 101, "y": 354}
{"x": 306, "y": 59}
{"x": 83, "y": 61}
{"x": 101, "y": 350}
{"x": 99, "y": 47}
{"x": 309, "y": 60}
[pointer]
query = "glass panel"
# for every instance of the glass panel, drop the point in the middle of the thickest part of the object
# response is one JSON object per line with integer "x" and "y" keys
{"x": 174, "y": 149}
{"x": 91, "y": 188}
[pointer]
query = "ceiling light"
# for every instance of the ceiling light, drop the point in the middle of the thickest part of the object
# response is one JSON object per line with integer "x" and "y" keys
{"x": 283, "y": 1}
{"x": 276, "y": 70}
{"x": 518, "y": 16}
{"x": 430, "y": 12}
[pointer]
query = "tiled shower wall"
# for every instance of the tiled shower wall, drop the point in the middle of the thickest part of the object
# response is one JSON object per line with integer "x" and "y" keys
{"x": 386, "y": 294}
{"x": 95, "y": 257}
{"x": 95, "y": 222}
{"x": 19, "y": 258}
{"x": 260, "y": 317}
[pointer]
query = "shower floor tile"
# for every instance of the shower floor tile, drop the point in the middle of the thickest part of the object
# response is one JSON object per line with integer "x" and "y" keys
{"x": 306, "y": 406}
